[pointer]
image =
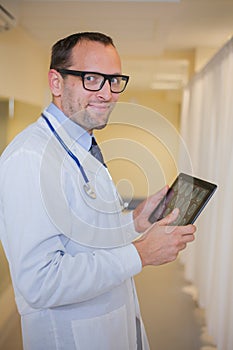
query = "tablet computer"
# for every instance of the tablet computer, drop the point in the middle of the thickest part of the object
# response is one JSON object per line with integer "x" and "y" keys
{"x": 189, "y": 194}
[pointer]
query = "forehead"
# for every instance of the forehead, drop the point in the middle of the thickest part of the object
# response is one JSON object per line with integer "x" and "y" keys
{"x": 95, "y": 56}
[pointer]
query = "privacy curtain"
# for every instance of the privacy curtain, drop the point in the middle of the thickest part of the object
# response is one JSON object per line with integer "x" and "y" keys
{"x": 207, "y": 130}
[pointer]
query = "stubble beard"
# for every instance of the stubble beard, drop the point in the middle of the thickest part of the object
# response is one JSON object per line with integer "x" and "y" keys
{"x": 90, "y": 121}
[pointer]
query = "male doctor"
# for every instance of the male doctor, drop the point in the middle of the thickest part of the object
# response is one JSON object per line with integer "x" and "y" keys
{"x": 72, "y": 252}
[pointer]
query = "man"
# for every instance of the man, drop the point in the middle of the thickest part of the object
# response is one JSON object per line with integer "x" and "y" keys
{"x": 72, "y": 252}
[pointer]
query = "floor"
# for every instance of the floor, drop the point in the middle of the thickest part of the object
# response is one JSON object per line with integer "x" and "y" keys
{"x": 169, "y": 308}
{"x": 10, "y": 337}
{"x": 171, "y": 316}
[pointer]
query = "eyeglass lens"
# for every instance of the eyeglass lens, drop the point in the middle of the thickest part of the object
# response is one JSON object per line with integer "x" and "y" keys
{"x": 94, "y": 81}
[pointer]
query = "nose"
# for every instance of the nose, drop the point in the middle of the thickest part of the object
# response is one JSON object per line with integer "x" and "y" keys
{"x": 105, "y": 92}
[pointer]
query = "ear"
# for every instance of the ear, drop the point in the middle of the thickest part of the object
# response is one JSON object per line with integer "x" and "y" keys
{"x": 55, "y": 82}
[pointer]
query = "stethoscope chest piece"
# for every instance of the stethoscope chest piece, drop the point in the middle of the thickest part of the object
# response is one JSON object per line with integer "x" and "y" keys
{"x": 89, "y": 191}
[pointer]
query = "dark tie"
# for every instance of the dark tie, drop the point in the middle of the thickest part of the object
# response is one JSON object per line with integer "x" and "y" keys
{"x": 96, "y": 152}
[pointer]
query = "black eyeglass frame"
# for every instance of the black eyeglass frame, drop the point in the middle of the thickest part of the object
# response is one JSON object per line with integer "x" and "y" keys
{"x": 108, "y": 77}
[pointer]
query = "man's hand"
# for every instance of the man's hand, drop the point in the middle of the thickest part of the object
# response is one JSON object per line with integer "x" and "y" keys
{"x": 161, "y": 243}
{"x": 144, "y": 209}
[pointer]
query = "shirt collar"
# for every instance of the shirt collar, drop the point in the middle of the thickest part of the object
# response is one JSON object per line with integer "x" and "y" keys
{"x": 75, "y": 131}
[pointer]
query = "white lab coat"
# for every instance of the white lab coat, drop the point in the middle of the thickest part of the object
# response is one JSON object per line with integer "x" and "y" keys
{"x": 71, "y": 293}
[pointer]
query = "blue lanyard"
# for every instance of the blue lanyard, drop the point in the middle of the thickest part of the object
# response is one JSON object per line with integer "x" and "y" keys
{"x": 90, "y": 192}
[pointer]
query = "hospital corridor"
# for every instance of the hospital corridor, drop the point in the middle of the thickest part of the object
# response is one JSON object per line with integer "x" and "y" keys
{"x": 162, "y": 106}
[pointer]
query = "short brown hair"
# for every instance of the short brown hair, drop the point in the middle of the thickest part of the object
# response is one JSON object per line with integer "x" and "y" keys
{"x": 61, "y": 50}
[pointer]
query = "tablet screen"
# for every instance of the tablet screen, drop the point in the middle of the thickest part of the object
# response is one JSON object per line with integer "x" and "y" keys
{"x": 187, "y": 193}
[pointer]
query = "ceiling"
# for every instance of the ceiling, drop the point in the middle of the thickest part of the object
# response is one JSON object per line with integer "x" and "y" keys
{"x": 143, "y": 31}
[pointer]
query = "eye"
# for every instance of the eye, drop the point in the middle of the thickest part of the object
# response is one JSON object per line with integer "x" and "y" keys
{"x": 92, "y": 78}
{"x": 116, "y": 80}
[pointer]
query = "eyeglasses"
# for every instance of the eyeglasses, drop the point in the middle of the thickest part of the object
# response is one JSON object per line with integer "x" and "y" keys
{"x": 93, "y": 81}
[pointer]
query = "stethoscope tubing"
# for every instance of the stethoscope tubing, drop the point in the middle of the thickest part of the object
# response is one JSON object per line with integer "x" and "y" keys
{"x": 71, "y": 154}
{"x": 87, "y": 187}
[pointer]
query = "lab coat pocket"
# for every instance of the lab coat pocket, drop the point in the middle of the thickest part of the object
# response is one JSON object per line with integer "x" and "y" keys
{"x": 106, "y": 332}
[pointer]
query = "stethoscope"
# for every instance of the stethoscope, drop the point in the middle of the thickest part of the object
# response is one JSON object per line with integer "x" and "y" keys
{"x": 87, "y": 186}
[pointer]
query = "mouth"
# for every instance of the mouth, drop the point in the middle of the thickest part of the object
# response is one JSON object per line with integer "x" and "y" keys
{"x": 99, "y": 107}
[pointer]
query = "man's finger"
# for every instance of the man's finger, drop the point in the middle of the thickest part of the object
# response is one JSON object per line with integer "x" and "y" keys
{"x": 170, "y": 218}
